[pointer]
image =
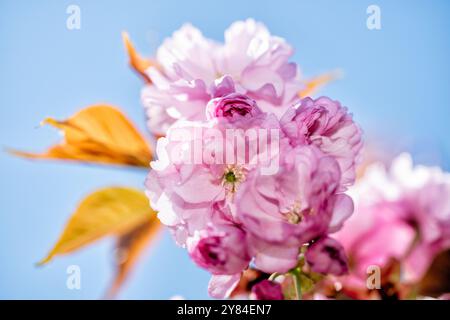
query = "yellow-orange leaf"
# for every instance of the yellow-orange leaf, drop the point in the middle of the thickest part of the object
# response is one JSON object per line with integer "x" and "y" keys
{"x": 109, "y": 211}
{"x": 97, "y": 134}
{"x": 139, "y": 64}
{"x": 312, "y": 85}
{"x": 130, "y": 247}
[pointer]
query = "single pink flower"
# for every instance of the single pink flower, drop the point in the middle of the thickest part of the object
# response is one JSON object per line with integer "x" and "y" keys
{"x": 327, "y": 256}
{"x": 232, "y": 106}
{"x": 199, "y": 166}
{"x": 219, "y": 249}
{"x": 327, "y": 125}
{"x": 267, "y": 290}
{"x": 190, "y": 64}
{"x": 260, "y": 62}
{"x": 297, "y": 205}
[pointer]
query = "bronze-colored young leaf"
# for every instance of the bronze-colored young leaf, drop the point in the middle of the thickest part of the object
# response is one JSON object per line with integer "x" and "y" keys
{"x": 110, "y": 211}
{"x": 312, "y": 85}
{"x": 139, "y": 64}
{"x": 129, "y": 249}
{"x": 98, "y": 134}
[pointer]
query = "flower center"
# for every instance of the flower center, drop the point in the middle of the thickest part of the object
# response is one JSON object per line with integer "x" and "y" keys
{"x": 239, "y": 109}
{"x": 294, "y": 217}
{"x": 295, "y": 214}
{"x": 232, "y": 177}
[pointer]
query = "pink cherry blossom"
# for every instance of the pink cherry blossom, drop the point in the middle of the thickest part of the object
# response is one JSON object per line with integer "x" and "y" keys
{"x": 219, "y": 249}
{"x": 403, "y": 213}
{"x": 267, "y": 290}
{"x": 233, "y": 105}
{"x": 260, "y": 62}
{"x": 230, "y": 211}
{"x": 297, "y": 205}
{"x": 327, "y": 125}
{"x": 327, "y": 256}
{"x": 189, "y": 65}
{"x": 188, "y": 186}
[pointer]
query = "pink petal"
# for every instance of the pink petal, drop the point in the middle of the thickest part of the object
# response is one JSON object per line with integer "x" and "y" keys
{"x": 343, "y": 209}
{"x": 221, "y": 286}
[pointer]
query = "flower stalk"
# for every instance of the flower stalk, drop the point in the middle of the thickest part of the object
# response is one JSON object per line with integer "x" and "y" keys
{"x": 295, "y": 273}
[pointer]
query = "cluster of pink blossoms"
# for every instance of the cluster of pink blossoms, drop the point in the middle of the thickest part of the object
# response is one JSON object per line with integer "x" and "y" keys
{"x": 284, "y": 191}
{"x": 402, "y": 213}
{"x": 189, "y": 64}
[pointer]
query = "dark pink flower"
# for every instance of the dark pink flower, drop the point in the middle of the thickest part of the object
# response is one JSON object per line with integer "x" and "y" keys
{"x": 267, "y": 290}
{"x": 219, "y": 249}
{"x": 327, "y": 256}
{"x": 327, "y": 125}
{"x": 232, "y": 106}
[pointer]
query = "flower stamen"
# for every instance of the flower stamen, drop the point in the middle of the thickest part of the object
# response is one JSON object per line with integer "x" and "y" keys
{"x": 295, "y": 214}
{"x": 232, "y": 177}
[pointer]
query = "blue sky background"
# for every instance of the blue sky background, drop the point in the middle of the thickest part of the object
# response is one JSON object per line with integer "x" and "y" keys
{"x": 396, "y": 83}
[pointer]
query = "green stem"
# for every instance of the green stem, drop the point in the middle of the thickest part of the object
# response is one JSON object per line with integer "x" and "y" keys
{"x": 273, "y": 276}
{"x": 297, "y": 284}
